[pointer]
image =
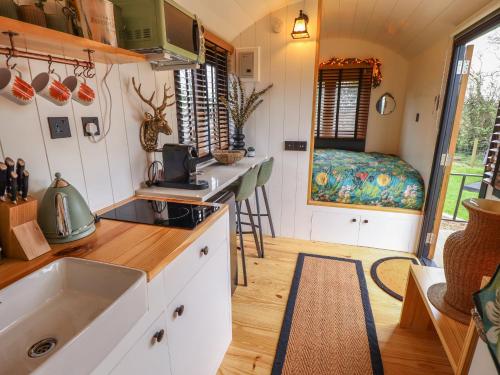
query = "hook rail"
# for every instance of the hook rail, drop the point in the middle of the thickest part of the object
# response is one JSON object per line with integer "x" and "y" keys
{"x": 12, "y": 52}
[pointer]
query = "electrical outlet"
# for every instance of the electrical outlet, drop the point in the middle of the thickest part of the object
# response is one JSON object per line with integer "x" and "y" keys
{"x": 88, "y": 120}
{"x": 59, "y": 127}
{"x": 295, "y": 146}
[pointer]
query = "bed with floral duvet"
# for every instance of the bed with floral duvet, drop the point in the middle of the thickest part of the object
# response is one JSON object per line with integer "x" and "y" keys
{"x": 365, "y": 178}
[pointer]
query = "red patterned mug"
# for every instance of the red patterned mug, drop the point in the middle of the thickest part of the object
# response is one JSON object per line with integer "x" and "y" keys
{"x": 50, "y": 87}
{"x": 14, "y": 88}
{"x": 80, "y": 91}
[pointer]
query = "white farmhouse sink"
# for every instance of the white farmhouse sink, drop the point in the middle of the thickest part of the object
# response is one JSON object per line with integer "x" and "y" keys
{"x": 81, "y": 306}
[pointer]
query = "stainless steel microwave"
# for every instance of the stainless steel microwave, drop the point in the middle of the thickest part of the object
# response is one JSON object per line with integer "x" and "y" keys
{"x": 166, "y": 33}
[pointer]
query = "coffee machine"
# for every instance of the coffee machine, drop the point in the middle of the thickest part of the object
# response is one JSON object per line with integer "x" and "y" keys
{"x": 179, "y": 167}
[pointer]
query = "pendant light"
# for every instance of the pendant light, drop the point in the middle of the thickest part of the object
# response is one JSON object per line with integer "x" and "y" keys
{"x": 300, "y": 26}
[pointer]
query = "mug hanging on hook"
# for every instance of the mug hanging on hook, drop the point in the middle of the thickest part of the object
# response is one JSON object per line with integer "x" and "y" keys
{"x": 81, "y": 92}
{"x": 49, "y": 86}
{"x": 12, "y": 85}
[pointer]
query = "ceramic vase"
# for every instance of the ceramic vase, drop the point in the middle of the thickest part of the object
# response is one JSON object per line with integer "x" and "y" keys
{"x": 471, "y": 254}
{"x": 238, "y": 139}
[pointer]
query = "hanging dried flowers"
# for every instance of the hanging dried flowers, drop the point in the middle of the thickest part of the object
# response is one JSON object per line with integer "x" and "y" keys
{"x": 373, "y": 62}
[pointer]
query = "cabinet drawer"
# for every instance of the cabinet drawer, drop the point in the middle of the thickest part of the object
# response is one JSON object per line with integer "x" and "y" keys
{"x": 149, "y": 355}
{"x": 177, "y": 274}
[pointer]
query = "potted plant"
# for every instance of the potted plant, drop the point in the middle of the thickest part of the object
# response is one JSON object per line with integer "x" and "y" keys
{"x": 240, "y": 106}
{"x": 33, "y": 13}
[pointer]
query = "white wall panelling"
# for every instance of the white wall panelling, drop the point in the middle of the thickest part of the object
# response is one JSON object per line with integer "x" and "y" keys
{"x": 292, "y": 116}
{"x": 104, "y": 172}
{"x": 133, "y": 115}
{"x": 63, "y": 154}
{"x": 116, "y": 141}
{"x": 285, "y": 113}
{"x": 426, "y": 82}
{"x": 21, "y": 136}
{"x": 93, "y": 155}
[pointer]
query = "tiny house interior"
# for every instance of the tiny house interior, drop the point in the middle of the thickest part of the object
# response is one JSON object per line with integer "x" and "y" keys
{"x": 249, "y": 187}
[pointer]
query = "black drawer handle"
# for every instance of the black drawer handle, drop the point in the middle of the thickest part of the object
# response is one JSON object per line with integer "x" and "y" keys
{"x": 365, "y": 221}
{"x": 179, "y": 311}
{"x": 204, "y": 251}
{"x": 354, "y": 220}
{"x": 158, "y": 336}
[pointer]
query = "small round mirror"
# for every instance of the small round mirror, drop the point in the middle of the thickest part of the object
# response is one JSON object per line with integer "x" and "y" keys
{"x": 386, "y": 104}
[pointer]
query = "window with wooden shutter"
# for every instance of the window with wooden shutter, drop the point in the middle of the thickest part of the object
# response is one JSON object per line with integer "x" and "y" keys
{"x": 201, "y": 117}
{"x": 342, "y": 105}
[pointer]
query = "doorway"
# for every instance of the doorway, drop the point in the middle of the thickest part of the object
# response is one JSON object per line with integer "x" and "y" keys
{"x": 466, "y": 132}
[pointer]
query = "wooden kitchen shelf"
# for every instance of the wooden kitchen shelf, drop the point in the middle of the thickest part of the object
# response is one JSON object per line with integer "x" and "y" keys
{"x": 54, "y": 42}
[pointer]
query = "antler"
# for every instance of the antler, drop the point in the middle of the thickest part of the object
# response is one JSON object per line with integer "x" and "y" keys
{"x": 166, "y": 97}
{"x": 138, "y": 91}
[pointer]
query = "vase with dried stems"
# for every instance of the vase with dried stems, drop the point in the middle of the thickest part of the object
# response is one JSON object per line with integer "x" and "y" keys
{"x": 240, "y": 106}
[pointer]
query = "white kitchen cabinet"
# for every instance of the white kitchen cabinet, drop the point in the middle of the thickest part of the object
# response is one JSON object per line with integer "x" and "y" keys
{"x": 178, "y": 273}
{"x": 195, "y": 341}
{"x": 335, "y": 227}
{"x": 149, "y": 355}
{"x": 199, "y": 319}
{"x": 370, "y": 228}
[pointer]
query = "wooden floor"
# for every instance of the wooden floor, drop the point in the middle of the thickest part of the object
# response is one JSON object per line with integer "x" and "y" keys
{"x": 258, "y": 312}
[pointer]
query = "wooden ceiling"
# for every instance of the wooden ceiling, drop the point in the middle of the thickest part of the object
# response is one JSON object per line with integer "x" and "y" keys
{"x": 406, "y": 26}
{"x": 228, "y": 18}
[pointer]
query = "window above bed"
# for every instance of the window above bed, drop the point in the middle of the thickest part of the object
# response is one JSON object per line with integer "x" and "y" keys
{"x": 342, "y": 105}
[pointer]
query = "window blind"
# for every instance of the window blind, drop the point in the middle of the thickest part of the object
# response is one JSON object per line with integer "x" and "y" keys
{"x": 201, "y": 118}
{"x": 342, "y": 104}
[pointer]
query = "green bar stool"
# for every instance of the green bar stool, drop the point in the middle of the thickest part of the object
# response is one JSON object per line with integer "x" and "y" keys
{"x": 244, "y": 189}
{"x": 265, "y": 171}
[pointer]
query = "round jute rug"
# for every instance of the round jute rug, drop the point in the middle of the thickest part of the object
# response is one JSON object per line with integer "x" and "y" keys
{"x": 391, "y": 275}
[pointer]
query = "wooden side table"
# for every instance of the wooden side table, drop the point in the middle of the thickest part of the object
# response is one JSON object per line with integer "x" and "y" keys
{"x": 458, "y": 340}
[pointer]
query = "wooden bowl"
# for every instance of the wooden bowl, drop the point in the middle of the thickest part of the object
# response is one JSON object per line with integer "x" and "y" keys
{"x": 228, "y": 156}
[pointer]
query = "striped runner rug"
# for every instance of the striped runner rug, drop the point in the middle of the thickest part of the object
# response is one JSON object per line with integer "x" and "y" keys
{"x": 328, "y": 328}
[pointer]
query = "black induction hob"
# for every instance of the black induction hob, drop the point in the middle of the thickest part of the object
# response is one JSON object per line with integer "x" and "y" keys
{"x": 161, "y": 213}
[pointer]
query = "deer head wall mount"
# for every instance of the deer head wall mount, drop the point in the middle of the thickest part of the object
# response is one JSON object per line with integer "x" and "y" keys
{"x": 154, "y": 123}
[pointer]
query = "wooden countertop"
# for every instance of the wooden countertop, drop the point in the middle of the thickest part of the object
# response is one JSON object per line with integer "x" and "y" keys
{"x": 144, "y": 247}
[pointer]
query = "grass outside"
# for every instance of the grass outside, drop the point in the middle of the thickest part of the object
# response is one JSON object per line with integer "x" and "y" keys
{"x": 461, "y": 164}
